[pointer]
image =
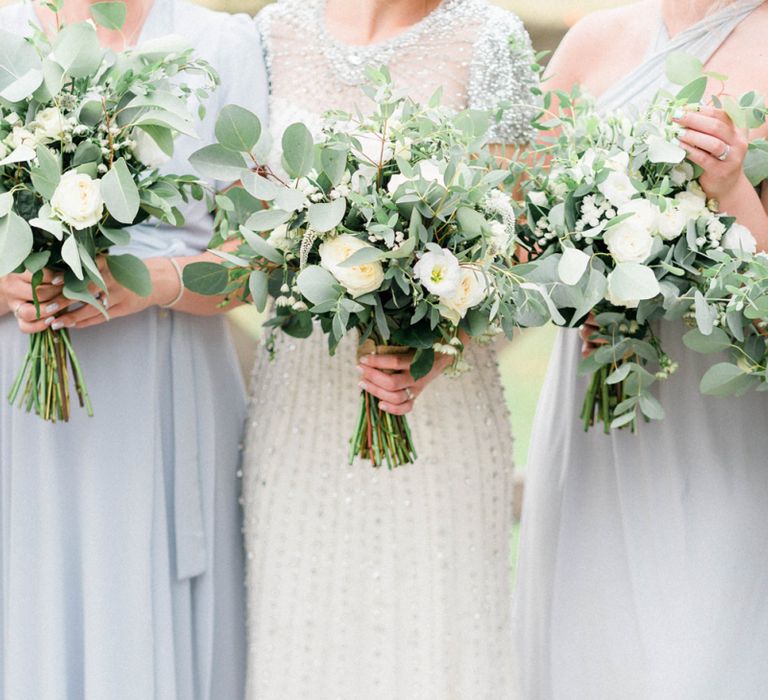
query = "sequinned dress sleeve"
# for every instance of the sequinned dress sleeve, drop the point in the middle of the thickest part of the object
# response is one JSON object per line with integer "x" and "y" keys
{"x": 502, "y": 74}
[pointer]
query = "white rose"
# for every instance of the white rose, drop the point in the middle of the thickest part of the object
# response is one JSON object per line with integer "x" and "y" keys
{"x": 671, "y": 222}
{"x": 439, "y": 272}
{"x": 147, "y": 151}
{"x": 617, "y": 188}
{"x": 629, "y": 241}
{"x": 693, "y": 202}
{"x": 77, "y": 200}
{"x": 279, "y": 238}
{"x": 22, "y": 137}
{"x": 50, "y": 125}
{"x": 643, "y": 213}
{"x": 538, "y": 199}
{"x": 681, "y": 173}
{"x": 471, "y": 291}
{"x": 357, "y": 279}
{"x": 740, "y": 239}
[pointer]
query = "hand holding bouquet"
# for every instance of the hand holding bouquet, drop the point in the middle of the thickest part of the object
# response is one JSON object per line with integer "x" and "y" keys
{"x": 621, "y": 228}
{"x": 392, "y": 226}
{"x": 82, "y": 131}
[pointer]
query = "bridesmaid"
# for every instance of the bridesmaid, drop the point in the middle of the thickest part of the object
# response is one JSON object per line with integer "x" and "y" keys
{"x": 644, "y": 561}
{"x": 120, "y": 547}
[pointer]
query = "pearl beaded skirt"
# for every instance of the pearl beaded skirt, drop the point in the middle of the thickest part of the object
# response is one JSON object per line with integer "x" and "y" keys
{"x": 376, "y": 584}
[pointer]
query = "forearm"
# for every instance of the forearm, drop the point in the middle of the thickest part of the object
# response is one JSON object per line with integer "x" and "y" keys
{"x": 744, "y": 203}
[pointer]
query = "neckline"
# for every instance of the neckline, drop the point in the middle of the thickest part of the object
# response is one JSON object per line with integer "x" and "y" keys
{"x": 414, "y": 29}
{"x": 666, "y": 37}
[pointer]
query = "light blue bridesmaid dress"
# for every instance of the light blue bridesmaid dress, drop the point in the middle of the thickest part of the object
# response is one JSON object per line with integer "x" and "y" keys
{"x": 121, "y": 571}
{"x": 644, "y": 558}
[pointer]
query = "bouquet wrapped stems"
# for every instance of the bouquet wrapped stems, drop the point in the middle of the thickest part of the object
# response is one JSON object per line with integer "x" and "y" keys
{"x": 380, "y": 436}
{"x": 45, "y": 375}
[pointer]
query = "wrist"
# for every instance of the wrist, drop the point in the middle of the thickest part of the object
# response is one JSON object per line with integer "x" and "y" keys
{"x": 4, "y": 306}
{"x": 166, "y": 282}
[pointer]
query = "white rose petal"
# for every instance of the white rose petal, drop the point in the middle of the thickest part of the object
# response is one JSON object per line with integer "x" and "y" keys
{"x": 693, "y": 202}
{"x": 471, "y": 291}
{"x": 739, "y": 239}
{"x": 662, "y": 151}
{"x": 617, "y": 188}
{"x": 439, "y": 272}
{"x": 572, "y": 265}
{"x": 643, "y": 213}
{"x": 50, "y": 125}
{"x": 77, "y": 200}
{"x": 147, "y": 151}
{"x": 629, "y": 241}
{"x": 671, "y": 223}
{"x": 356, "y": 279}
{"x": 22, "y": 137}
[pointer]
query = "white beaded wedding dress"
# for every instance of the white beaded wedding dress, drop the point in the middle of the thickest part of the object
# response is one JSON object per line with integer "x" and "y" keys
{"x": 364, "y": 583}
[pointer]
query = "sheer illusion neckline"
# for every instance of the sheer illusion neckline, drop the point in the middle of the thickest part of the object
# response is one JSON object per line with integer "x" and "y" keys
{"x": 414, "y": 29}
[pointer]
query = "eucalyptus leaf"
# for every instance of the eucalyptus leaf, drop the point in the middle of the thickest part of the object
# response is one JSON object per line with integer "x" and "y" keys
{"x": 716, "y": 341}
{"x": 218, "y": 163}
{"x": 120, "y": 193}
{"x": 298, "y": 150}
{"x": 77, "y": 50}
{"x": 70, "y": 254}
{"x": 16, "y": 242}
{"x": 206, "y": 278}
{"x": 47, "y": 173}
{"x": 237, "y": 128}
{"x": 110, "y": 15}
{"x": 317, "y": 284}
{"x": 258, "y": 287}
{"x": 267, "y": 219}
{"x": 23, "y": 87}
{"x": 325, "y": 217}
{"x": 258, "y": 186}
{"x": 725, "y": 379}
{"x": 682, "y": 68}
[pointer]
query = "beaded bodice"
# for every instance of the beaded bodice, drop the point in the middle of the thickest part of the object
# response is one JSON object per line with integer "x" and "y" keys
{"x": 479, "y": 54}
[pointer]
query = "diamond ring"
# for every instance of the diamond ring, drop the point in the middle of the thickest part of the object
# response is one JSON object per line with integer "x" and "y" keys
{"x": 724, "y": 155}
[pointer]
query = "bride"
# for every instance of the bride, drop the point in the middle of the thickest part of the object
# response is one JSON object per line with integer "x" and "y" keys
{"x": 365, "y": 583}
{"x": 644, "y": 558}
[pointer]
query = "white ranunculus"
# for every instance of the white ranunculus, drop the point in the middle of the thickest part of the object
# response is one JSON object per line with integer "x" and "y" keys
{"x": 693, "y": 202}
{"x": 356, "y": 279}
{"x": 538, "y": 199}
{"x": 471, "y": 291}
{"x": 77, "y": 200}
{"x": 279, "y": 238}
{"x": 439, "y": 272}
{"x": 617, "y": 188}
{"x": 739, "y": 239}
{"x": 629, "y": 241}
{"x": 395, "y": 181}
{"x": 671, "y": 223}
{"x": 643, "y": 213}
{"x": 147, "y": 151}
{"x": 681, "y": 173}
{"x": 50, "y": 125}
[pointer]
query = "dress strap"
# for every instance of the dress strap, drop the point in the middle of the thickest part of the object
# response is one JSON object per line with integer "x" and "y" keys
{"x": 702, "y": 40}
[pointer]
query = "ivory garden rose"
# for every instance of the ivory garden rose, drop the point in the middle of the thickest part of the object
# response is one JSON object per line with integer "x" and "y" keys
{"x": 356, "y": 279}
{"x": 77, "y": 200}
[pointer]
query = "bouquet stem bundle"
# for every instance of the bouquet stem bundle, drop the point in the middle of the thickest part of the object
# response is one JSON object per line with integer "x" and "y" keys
{"x": 380, "y": 436}
{"x": 601, "y": 400}
{"x": 45, "y": 375}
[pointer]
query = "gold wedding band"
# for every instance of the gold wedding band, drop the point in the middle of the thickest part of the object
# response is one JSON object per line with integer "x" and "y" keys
{"x": 724, "y": 155}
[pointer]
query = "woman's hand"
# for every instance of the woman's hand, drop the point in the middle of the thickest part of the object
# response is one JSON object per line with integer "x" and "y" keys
{"x": 395, "y": 388}
{"x": 54, "y": 306}
{"x": 713, "y": 142}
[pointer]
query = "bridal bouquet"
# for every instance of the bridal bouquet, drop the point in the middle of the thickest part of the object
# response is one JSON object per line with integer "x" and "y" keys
{"x": 391, "y": 226}
{"x": 620, "y": 228}
{"x": 82, "y": 131}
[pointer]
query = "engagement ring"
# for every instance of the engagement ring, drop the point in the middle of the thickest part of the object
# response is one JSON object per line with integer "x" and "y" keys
{"x": 724, "y": 155}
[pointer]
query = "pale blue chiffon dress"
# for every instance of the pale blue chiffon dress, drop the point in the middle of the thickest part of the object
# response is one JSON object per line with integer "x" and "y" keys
{"x": 121, "y": 573}
{"x": 644, "y": 558}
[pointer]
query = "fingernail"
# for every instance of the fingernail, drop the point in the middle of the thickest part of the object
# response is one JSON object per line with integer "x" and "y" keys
{"x": 385, "y": 407}
{"x": 675, "y": 142}
{"x": 49, "y": 320}
{"x": 679, "y": 113}
{"x": 52, "y": 308}
{"x": 364, "y": 360}
{"x": 359, "y": 369}
{"x": 363, "y": 386}
{"x": 57, "y": 280}
{"x": 58, "y": 325}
